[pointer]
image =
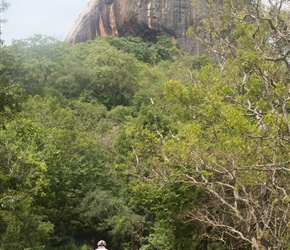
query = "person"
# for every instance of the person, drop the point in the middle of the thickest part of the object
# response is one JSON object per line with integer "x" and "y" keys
{"x": 102, "y": 245}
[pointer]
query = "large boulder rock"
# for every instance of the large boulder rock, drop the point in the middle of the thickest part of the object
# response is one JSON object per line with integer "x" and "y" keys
{"x": 144, "y": 18}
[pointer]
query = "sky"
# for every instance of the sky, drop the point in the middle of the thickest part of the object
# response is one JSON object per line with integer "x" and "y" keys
{"x": 26, "y": 18}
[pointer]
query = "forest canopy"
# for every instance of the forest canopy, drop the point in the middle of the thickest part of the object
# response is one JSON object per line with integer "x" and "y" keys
{"x": 145, "y": 146}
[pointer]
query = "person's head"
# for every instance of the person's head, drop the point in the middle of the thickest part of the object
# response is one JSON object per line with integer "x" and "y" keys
{"x": 102, "y": 243}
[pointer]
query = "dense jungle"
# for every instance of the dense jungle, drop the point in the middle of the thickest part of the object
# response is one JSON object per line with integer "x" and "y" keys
{"x": 145, "y": 146}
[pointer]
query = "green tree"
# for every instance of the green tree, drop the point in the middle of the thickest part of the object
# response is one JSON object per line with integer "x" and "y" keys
{"x": 49, "y": 162}
{"x": 73, "y": 156}
{"x": 23, "y": 180}
{"x": 232, "y": 124}
{"x": 164, "y": 49}
{"x": 114, "y": 75}
{"x": 11, "y": 91}
{"x": 37, "y": 59}
{"x": 227, "y": 135}
{"x": 131, "y": 45}
{"x": 95, "y": 67}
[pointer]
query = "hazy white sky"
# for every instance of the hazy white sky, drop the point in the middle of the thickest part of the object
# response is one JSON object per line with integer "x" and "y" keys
{"x": 47, "y": 17}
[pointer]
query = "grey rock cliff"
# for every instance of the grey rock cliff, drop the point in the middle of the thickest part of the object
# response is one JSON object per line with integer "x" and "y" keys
{"x": 144, "y": 18}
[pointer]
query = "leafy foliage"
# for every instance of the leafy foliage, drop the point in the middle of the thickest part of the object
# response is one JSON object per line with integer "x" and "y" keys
{"x": 162, "y": 50}
{"x": 11, "y": 91}
{"x": 147, "y": 147}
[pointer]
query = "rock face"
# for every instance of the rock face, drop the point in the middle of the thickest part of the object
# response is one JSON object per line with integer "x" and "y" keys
{"x": 144, "y": 18}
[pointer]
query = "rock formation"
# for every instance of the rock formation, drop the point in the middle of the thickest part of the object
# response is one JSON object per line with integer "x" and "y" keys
{"x": 144, "y": 18}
